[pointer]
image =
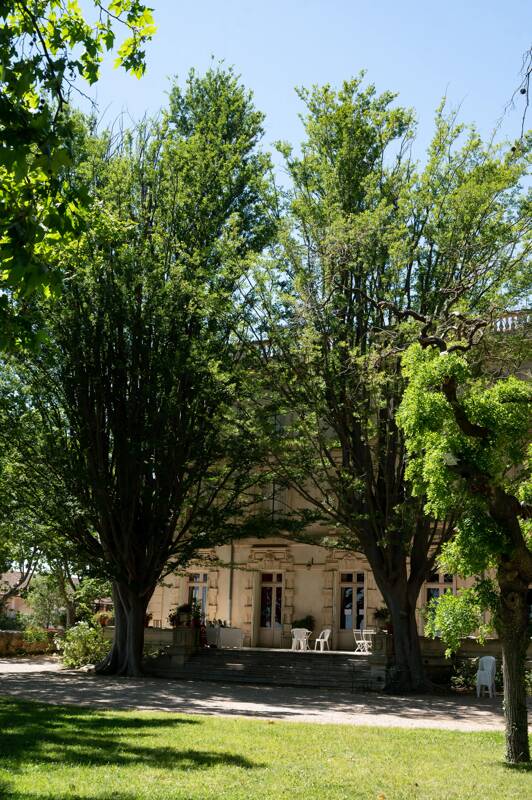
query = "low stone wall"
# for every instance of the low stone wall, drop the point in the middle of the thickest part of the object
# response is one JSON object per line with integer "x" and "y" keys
{"x": 152, "y": 636}
{"x": 434, "y": 649}
{"x": 440, "y": 669}
{"x": 12, "y": 643}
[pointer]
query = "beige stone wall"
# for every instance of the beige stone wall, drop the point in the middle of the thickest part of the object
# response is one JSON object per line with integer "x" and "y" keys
{"x": 165, "y": 599}
{"x": 12, "y": 643}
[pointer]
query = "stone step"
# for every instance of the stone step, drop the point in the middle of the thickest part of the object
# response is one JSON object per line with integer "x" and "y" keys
{"x": 281, "y": 668}
{"x": 368, "y": 682}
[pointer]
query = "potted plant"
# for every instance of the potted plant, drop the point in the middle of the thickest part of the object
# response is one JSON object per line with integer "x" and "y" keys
{"x": 180, "y": 616}
{"x": 383, "y": 620}
{"x": 305, "y": 622}
{"x": 196, "y": 614}
{"x": 103, "y": 618}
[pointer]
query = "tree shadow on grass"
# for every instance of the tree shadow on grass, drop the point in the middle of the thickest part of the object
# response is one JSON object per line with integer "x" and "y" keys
{"x": 519, "y": 767}
{"x": 8, "y": 792}
{"x": 33, "y": 733}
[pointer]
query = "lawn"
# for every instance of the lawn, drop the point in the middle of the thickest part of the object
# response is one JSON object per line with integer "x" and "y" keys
{"x": 56, "y": 753}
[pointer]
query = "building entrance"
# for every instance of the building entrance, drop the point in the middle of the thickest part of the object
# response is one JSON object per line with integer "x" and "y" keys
{"x": 271, "y": 609}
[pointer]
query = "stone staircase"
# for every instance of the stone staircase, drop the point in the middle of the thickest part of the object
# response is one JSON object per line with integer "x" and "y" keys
{"x": 332, "y": 670}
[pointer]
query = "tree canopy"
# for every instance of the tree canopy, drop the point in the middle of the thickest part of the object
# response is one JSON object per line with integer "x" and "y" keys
{"x": 370, "y": 234}
{"x": 137, "y": 383}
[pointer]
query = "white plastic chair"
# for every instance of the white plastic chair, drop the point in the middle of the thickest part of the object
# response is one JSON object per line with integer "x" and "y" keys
{"x": 323, "y": 640}
{"x": 300, "y": 638}
{"x": 487, "y": 667}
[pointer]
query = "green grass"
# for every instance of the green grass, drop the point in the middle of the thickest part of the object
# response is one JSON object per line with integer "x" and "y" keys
{"x": 53, "y": 753}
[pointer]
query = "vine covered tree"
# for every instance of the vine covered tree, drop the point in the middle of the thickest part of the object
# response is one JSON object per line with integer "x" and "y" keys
{"x": 138, "y": 381}
{"x": 369, "y": 231}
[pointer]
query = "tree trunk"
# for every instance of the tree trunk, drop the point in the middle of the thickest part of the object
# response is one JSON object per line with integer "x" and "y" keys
{"x": 512, "y": 625}
{"x": 408, "y": 672}
{"x": 400, "y": 596}
{"x": 70, "y": 614}
{"x": 125, "y": 657}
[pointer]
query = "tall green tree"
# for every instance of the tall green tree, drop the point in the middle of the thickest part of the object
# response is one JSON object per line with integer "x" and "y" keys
{"x": 468, "y": 440}
{"x": 46, "y": 46}
{"x": 369, "y": 231}
{"x": 139, "y": 382}
{"x": 22, "y": 533}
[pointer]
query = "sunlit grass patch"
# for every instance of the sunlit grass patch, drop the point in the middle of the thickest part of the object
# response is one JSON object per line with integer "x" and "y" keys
{"x": 54, "y": 753}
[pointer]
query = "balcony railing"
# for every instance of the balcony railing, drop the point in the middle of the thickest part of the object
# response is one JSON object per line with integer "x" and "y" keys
{"x": 513, "y": 321}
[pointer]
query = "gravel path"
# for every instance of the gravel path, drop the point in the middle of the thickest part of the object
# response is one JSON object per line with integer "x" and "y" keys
{"x": 42, "y": 679}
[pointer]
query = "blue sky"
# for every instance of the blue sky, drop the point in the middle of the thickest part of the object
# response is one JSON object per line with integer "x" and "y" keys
{"x": 470, "y": 50}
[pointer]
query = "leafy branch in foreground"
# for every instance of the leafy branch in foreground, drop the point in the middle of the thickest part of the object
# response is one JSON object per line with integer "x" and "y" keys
{"x": 46, "y": 46}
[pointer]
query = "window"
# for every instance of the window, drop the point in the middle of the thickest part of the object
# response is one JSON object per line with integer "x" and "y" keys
{"x": 351, "y": 600}
{"x": 197, "y": 591}
{"x": 437, "y": 584}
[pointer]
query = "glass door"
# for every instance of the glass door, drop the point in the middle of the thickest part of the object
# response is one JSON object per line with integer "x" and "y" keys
{"x": 197, "y": 591}
{"x": 271, "y": 609}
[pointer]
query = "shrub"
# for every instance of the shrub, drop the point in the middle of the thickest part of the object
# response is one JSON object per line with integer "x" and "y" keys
{"x": 35, "y": 635}
{"x": 83, "y": 644}
{"x": 11, "y": 622}
{"x": 465, "y": 675}
{"x": 305, "y": 622}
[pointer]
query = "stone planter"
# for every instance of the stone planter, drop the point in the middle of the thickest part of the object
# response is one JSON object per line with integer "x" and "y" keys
{"x": 185, "y": 642}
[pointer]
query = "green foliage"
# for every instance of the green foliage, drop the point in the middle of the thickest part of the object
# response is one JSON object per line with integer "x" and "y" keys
{"x": 33, "y": 634}
{"x": 307, "y": 622}
{"x": 46, "y": 601}
{"x": 437, "y": 445}
{"x": 457, "y": 472}
{"x": 88, "y": 591}
{"x": 453, "y": 617}
{"x": 11, "y": 622}
{"x": 467, "y": 438}
{"x": 44, "y": 47}
{"x": 149, "y": 327}
{"x": 368, "y": 235}
{"x": 102, "y": 618}
{"x": 465, "y": 674}
{"x": 82, "y": 645}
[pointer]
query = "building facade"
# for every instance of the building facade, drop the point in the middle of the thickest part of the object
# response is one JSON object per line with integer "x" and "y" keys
{"x": 264, "y": 587}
